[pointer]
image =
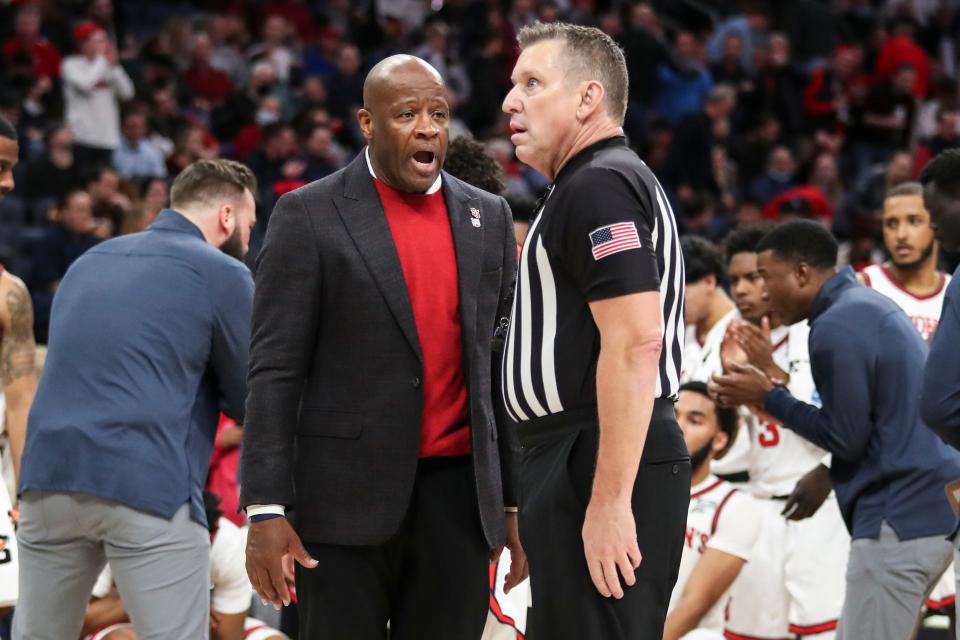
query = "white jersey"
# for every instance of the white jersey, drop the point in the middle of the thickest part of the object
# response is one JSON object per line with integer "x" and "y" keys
{"x": 778, "y": 456}
{"x": 702, "y": 359}
{"x": 924, "y": 311}
{"x": 719, "y": 517}
{"x": 230, "y": 588}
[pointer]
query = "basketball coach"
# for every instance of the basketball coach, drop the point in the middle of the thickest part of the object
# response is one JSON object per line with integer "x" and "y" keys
{"x": 593, "y": 351}
{"x": 371, "y": 412}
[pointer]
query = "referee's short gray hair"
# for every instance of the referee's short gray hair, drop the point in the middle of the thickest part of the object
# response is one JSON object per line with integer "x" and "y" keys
{"x": 592, "y": 55}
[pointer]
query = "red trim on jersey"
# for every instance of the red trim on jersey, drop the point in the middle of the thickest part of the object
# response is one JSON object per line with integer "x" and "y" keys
{"x": 495, "y": 608}
{"x": 866, "y": 279}
{"x": 940, "y": 604}
{"x": 730, "y": 635}
{"x": 249, "y": 632}
{"x": 813, "y": 629}
{"x": 782, "y": 342}
{"x": 706, "y": 489}
{"x": 716, "y": 516}
{"x": 893, "y": 281}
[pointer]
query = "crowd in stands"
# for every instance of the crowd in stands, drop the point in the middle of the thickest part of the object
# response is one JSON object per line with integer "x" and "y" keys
{"x": 746, "y": 110}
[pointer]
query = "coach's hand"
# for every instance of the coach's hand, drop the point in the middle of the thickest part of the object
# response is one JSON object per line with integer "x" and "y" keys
{"x": 519, "y": 569}
{"x": 610, "y": 544}
{"x": 267, "y": 542}
{"x": 811, "y": 491}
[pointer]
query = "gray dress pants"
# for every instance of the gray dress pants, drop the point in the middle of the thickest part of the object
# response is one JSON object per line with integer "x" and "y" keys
{"x": 888, "y": 580}
{"x": 160, "y": 566}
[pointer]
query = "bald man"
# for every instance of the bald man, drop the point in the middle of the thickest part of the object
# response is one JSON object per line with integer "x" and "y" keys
{"x": 372, "y": 451}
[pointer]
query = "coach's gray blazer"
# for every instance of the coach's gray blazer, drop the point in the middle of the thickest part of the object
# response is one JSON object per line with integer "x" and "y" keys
{"x": 334, "y": 407}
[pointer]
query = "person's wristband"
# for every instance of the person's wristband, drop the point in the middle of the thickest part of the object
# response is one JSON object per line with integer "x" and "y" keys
{"x": 260, "y": 517}
{"x": 511, "y": 509}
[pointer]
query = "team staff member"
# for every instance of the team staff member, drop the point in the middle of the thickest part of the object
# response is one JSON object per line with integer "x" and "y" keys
{"x": 148, "y": 341}
{"x": 379, "y": 289}
{"x": 888, "y": 469}
{"x": 593, "y": 351}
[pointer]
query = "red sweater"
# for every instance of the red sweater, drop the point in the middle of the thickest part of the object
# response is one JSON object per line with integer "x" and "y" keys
{"x": 424, "y": 242}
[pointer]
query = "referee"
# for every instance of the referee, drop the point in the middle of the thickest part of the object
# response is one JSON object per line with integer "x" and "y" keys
{"x": 592, "y": 357}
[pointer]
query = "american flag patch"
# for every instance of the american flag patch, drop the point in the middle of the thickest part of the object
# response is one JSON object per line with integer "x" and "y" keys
{"x": 614, "y": 238}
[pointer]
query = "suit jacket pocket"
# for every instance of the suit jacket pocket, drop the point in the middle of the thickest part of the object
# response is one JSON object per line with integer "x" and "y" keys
{"x": 330, "y": 424}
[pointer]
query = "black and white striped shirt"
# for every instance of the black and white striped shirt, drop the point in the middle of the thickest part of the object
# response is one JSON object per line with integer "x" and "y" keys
{"x": 605, "y": 229}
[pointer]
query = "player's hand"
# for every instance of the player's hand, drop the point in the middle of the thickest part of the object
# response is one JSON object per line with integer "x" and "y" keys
{"x": 755, "y": 342}
{"x": 610, "y": 545}
{"x": 811, "y": 490}
{"x": 519, "y": 569}
{"x": 743, "y": 384}
{"x": 267, "y": 542}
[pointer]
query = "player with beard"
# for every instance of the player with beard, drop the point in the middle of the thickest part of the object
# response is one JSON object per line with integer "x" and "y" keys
{"x": 723, "y": 523}
{"x": 910, "y": 277}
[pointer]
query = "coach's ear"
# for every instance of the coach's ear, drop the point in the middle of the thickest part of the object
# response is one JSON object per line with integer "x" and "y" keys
{"x": 365, "y": 120}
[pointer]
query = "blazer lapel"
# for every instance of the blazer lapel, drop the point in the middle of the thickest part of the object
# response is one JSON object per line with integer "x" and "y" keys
{"x": 466, "y": 224}
{"x": 363, "y": 216}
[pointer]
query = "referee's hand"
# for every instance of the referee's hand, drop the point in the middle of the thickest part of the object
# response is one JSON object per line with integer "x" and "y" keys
{"x": 610, "y": 545}
{"x": 268, "y": 542}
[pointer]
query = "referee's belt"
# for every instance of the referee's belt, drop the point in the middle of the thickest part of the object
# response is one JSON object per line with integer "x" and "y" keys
{"x": 557, "y": 425}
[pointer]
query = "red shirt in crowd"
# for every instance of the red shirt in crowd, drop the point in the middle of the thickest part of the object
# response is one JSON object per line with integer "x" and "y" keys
{"x": 900, "y": 50}
{"x": 421, "y": 233}
{"x": 46, "y": 58}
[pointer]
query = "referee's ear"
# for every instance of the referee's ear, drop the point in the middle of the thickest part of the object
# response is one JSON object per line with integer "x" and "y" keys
{"x": 592, "y": 95}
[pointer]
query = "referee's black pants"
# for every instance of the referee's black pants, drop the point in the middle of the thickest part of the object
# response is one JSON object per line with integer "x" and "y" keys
{"x": 559, "y": 455}
{"x": 430, "y": 580}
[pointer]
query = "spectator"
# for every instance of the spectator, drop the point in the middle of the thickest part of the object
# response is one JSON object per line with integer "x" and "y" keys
{"x": 730, "y": 69}
{"x": 346, "y": 85}
{"x": 45, "y": 57}
{"x": 154, "y": 197}
{"x": 689, "y": 160}
{"x": 947, "y": 135}
{"x": 270, "y": 162}
{"x": 644, "y": 50}
{"x": 137, "y": 156}
{"x": 886, "y": 120}
{"x": 862, "y": 204}
{"x": 779, "y": 176}
{"x": 778, "y": 88}
{"x": 684, "y": 82}
{"x": 833, "y": 89}
{"x": 275, "y": 47}
{"x": 436, "y": 51}
{"x": 47, "y": 179}
{"x": 227, "y": 35}
{"x": 470, "y": 161}
{"x": 206, "y": 82}
{"x": 62, "y": 244}
{"x": 751, "y": 27}
{"x": 94, "y": 84}
{"x": 110, "y": 204}
{"x": 489, "y": 83}
{"x": 320, "y": 153}
{"x": 900, "y": 50}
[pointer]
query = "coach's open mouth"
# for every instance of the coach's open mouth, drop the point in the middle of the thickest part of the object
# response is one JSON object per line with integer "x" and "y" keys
{"x": 425, "y": 162}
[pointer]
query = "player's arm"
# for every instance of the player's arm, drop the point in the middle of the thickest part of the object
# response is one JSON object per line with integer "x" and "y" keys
{"x": 17, "y": 361}
{"x": 103, "y": 612}
{"x": 226, "y": 626}
{"x": 711, "y": 577}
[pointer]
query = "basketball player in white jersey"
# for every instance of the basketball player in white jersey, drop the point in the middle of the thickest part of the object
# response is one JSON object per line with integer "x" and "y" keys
{"x": 795, "y": 582}
{"x": 17, "y": 381}
{"x": 911, "y": 279}
{"x": 723, "y": 523}
{"x": 707, "y": 312}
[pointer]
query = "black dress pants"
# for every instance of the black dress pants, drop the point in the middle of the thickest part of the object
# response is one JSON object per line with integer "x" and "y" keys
{"x": 559, "y": 456}
{"x": 430, "y": 580}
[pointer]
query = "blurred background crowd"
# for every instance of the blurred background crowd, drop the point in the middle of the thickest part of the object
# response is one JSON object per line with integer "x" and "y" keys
{"x": 746, "y": 110}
